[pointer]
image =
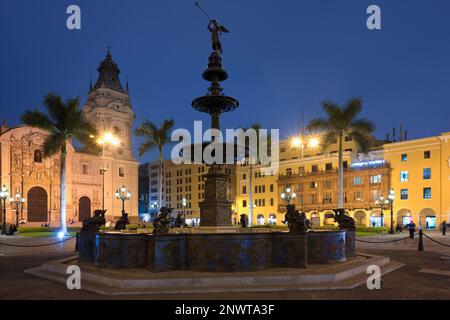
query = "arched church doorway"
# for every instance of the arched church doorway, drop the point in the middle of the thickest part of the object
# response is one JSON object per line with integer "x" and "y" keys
{"x": 84, "y": 209}
{"x": 37, "y": 205}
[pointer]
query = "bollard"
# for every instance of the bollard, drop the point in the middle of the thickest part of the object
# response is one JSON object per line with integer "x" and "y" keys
{"x": 420, "y": 240}
{"x": 76, "y": 242}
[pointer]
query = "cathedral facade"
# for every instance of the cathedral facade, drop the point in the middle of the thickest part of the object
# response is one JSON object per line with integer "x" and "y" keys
{"x": 92, "y": 180}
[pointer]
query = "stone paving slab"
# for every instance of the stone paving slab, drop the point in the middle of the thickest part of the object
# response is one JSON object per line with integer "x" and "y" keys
{"x": 345, "y": 275}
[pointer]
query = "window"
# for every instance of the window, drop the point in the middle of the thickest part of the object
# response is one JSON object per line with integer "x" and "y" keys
{"x": 37, "y": 156}
{"x": 121, "y": 172}
{"x": 244, "y": 203}
{"x": 328, "y": 166}
{"x": 348, "y": 138}
{"x": 327, "y": 184}
{"x": 314, "y": 168}
{"x": 374, "y": 195}
{"x": 358, "y": 196}
{"x": 85, "y": 169}
{"x": 375, "y": 179}
{"x": 427, "y": 154}
{"x": 404, "y": 157}
{"x": 427, "y": 174}
{"x": 427, "y": 193}
{"x": 404, "y": 176}
{"x": 244, "y": 176}
{"x": 345, "y": 163}
{"x": 244, "y": 189}
{"x": 313, "y": 185}
{"x": 357, "y": 181}
{"x": 313, "y": 198}
{"x": 288, "y": 171}
{"x": 271, "y": 202}
{"x": 404, "y": 194}
{"x": 271, "y": 188}
{"x": 327, "y": 198}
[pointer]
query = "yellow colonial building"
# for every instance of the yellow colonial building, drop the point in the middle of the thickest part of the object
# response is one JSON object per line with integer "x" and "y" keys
{"x": 420, "y": 177}
{"x": 418, "y": 171}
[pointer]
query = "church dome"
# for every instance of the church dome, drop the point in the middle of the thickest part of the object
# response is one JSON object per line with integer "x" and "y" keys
{"x": 108, "y": 75}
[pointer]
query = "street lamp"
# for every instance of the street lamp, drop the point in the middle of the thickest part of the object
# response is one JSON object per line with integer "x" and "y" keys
{"x": 3, "y": 196}
{"x": 381, "y": 202}
{"x": 288, "y": 195}
{"x": 106, "y": 139}
{"x": 123, "y": 194}
{"x": 184, "y": 203}
{"x": 17, "y": 200}
{"x": 391, "y": 198}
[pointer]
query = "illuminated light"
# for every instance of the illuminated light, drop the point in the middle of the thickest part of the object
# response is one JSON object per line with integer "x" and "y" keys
{"x": 372, "y": 163}
{"x": 60, "y": 234}
{"x": 294, "y": 195}
{"x": 313, "y": 143}
{"x": 288, "y": 190}
{"x": 283, "y": 195}
{"x": 296, "y": 142}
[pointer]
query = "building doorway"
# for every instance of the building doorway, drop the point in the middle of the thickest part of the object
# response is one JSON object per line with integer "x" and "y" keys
{"x": 84, "y": 209}
{"x": 430, "y": 222}
{"x": 37, "y": 205}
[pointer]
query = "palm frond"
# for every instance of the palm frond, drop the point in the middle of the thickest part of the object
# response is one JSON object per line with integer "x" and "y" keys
{"x": 145, "y": 147}
{"x": 37, "y": 119}
{"x": 53, "y": 144}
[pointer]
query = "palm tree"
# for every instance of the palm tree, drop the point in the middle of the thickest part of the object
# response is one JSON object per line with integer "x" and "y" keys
{"x": 63, "y": 122}
{"x": 341, "y": 122}
{"x": 155, "y": 137}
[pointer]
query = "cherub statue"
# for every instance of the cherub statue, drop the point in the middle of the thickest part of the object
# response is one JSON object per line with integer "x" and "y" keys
{"x": 344, "y": 221}
{"x": 297, "y": 221}
{"x": 122, "y": 223}
{"x": 161, "y": 224}
{"x": 216, "y": 31}
{"x": 94, "y": 224}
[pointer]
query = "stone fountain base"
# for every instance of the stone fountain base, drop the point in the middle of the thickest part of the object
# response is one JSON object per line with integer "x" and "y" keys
{"x": 213, "y": 252}
{"x": 343, "y": 275}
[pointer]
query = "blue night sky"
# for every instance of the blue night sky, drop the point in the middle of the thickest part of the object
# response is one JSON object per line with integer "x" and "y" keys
{"x": 283, "y": 57}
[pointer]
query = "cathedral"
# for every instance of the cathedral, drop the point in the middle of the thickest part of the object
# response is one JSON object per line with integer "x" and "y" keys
{"x": 92, "y": 180}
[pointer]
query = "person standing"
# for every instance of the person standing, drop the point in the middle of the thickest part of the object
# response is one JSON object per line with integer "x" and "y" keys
{"x": 444, "y": 227}
{"x": 412, "y": 229}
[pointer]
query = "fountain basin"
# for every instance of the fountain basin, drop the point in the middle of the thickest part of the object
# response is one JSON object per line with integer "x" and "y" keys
{"x": 213, "y": 252}
{"x": 326, "y": 246}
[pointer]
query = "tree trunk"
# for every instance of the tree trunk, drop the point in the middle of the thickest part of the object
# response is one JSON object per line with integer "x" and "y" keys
{"x": 62, "y": 191}
{"x": 160, "y": 173}
{"x": 340, "y": 176}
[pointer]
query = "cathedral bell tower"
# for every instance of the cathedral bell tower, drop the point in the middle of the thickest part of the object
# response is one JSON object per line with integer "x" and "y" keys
{"x": 108, "y": 106}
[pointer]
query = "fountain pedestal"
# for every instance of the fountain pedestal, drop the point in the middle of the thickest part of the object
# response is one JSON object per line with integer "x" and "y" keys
{"x": 215, "y": 210}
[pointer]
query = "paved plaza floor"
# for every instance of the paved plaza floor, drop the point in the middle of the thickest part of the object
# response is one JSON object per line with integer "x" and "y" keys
{"x": 412, "y": 281}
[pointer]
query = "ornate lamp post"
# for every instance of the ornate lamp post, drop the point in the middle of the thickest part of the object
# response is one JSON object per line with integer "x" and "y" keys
{"x": 184, "y": 204}
{"x": 17, "y": 200}
{"x": 106, "y": 139}
{"x": 123, "y": 194}
{"x": 288, "y": 195}
{"x": 3, "y": 196}
{"x": 391, "y": 201}
{"x": 382, "y": 202}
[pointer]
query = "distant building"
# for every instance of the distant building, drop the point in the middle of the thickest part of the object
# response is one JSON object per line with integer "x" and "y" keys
{"x": 417, "y": 170}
